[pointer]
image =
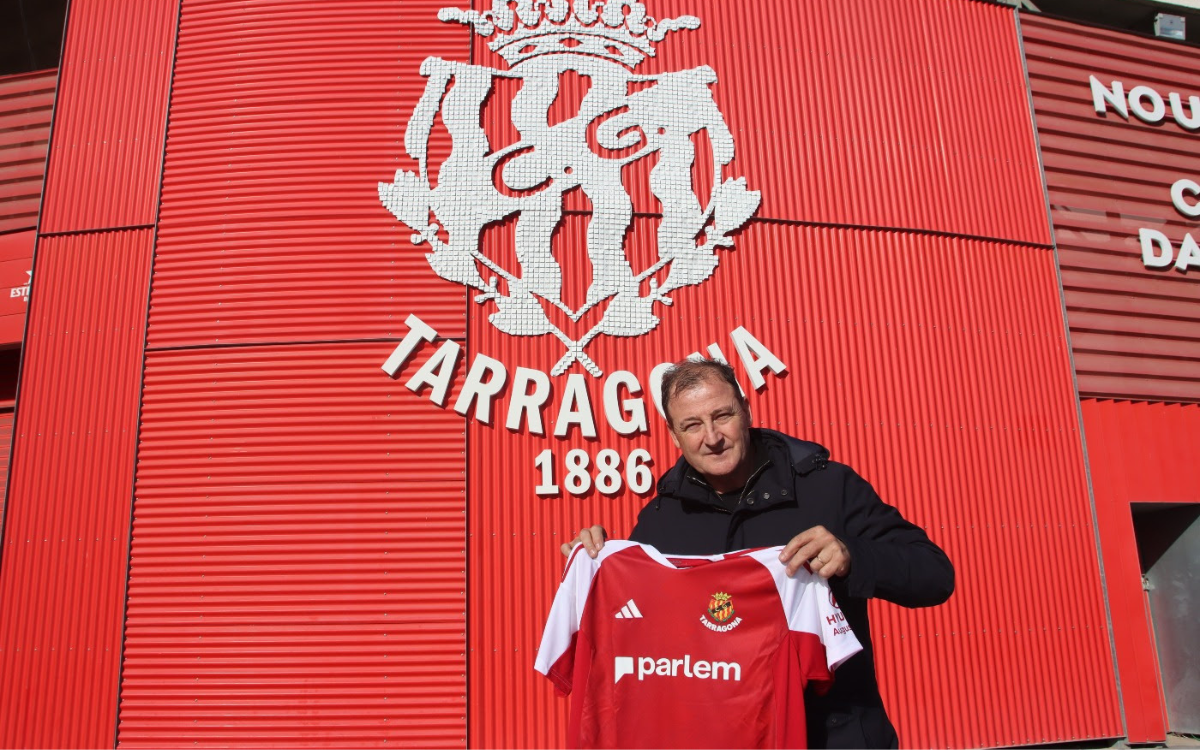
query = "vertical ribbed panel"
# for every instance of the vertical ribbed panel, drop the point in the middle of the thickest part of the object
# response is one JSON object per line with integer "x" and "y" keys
{"x": 1164, "y": 436}
{"x": 26, "y": 105}
{"x": 1135, "y": 331}
{"x": 1138, "y": 453}
{"x": 911, "y": 117}
{"x": 285, "y": 117}
{"x": 112, "y": 103}
{"x": 938, "y": 368}
{"x": 6, "y": 425}
{"x": 297, "y": 565}
{"x": 67, "y": 520}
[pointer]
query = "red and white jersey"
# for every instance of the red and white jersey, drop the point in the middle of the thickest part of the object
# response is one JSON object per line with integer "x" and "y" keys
{"x": 661, "y": 651}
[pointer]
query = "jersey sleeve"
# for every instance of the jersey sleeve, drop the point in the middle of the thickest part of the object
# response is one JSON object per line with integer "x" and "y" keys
{"x": 556, "y": 655}
{"x": 812, "y": 612}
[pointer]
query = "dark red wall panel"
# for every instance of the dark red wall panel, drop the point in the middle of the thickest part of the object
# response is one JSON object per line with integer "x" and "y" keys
{"x": 106, "y": 155}
{"x": 66, "y": 533}
{"x": 26, "y": 105}
{"x": 1160, "y": 437}
{"x": 1135, "y": 330}
{"x": 6, "y": 425}
{"x": 16, "y": 264}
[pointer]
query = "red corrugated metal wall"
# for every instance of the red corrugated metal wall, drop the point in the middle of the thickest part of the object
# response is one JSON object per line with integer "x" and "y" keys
{"x": 16, "y": 262}
{"x": 26, "y": 104}
{"x": 65, "y": 543}
{"x": 937, "y": 365}
{"x": 6, "y": 425}
{"x": 297, "y": 572}
{"x": 1139, "y": 453}
{"x": 106, "y": 151}
{"x": 1135, "y": 331}
{"x": 298, "y": 541}
{"x": 984, "y": 454}
{"x": 67, "y": 522}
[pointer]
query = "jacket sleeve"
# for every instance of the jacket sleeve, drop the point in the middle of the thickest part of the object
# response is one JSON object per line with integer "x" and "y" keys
{"x": 890, "y": 558}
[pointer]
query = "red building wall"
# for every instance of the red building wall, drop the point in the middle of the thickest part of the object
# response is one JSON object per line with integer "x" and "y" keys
{"x": 922, "y": 329}
{"x": 297, "y": 566}
{"x": 1159, "y": 435}
{"x": 1134, "y": 327}
{"x": 66, "y": 527}
{"x": 320, "y": 556}
{"x": 1135, "y": 330}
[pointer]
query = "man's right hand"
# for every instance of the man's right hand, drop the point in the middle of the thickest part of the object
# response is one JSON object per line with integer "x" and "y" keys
{"x": 592, "y": 540}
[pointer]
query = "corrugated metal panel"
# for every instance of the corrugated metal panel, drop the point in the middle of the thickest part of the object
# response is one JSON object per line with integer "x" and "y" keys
{"x": 26, "y": 104}
{"x": 938, "y": 368}
{"x": 6, "y": 425}
{"x": 67, "y": 527}
{"x": 285, "y": 117}
{"x": 1164, "y": 436}
{"x": 112, "y": 104}
{"x": 297, "y": 573}
{"x": 914, "y": 118}
{"x": 1135, "y": 331}
{"x": 16, "y": 264}
{"x": 1138, "y": 453}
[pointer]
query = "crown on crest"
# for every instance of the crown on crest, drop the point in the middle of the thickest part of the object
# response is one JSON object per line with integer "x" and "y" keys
{"x": 617, "y": 30}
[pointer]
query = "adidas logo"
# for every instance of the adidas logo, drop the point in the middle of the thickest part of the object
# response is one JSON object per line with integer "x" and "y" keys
{"x": 629, "y": 612}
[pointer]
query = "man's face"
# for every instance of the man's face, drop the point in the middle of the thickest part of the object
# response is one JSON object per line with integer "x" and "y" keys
{"x": 711, "y": 426}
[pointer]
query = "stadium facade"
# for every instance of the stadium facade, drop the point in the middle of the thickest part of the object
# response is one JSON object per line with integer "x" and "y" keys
{"x": 335, "y": 319}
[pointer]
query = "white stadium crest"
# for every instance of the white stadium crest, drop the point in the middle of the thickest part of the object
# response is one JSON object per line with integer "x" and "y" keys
{"x": 541, "y": 40}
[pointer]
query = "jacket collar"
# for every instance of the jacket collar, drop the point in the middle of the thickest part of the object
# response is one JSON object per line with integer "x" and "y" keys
{"x": 781, "y": 458}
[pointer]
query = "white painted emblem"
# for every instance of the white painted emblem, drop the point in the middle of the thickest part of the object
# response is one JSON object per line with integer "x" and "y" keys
{"x": 637, "y": 116}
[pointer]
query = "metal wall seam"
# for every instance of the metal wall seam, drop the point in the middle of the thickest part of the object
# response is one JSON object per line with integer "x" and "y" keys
{"x": 142, "y": 388}
{"x": 108, "y": 120}
{"x": 1135, "y": 330}
{"x": 26, "y": 106}
{"x": 1108, "y": 609}
{"x": 866, "y": 321}
{"x": 64, "y": 537}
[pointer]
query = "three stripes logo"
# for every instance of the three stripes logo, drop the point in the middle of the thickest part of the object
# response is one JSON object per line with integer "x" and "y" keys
{"x": 629, "y": 612}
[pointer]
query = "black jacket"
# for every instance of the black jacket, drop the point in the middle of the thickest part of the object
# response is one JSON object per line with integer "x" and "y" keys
{"x": 794, "y": 488}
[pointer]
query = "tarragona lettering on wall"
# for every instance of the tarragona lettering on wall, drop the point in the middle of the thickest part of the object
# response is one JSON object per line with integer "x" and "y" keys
{"x": 1148, "y": 105}
{"x": 530, "y": 393}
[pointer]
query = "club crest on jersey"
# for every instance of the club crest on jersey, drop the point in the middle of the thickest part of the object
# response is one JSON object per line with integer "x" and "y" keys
{"x": 720, "y": 614}
{"x": 622, "y": 119}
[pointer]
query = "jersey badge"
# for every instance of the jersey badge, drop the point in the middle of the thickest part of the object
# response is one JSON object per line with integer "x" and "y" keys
{"x": 720, "y": 614}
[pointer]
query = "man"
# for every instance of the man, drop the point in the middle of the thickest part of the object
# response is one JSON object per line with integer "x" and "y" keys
{"x": 735, "y": 487}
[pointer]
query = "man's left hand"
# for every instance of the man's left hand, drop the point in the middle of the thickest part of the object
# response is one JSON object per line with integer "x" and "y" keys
{"x": 825, "y": 554}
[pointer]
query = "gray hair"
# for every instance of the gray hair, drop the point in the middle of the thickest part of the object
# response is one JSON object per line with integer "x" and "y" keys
{"x": 686, "y": 375}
